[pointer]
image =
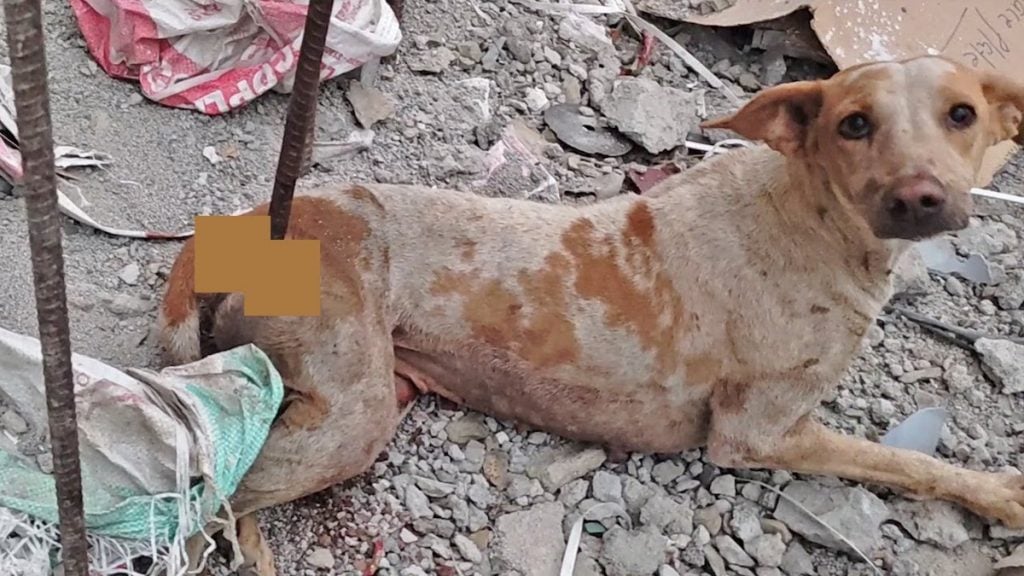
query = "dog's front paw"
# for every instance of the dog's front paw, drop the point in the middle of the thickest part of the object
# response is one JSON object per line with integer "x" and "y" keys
{"x": 1003, "y": 501}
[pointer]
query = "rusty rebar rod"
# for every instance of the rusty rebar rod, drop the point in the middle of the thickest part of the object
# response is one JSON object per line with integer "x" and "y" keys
{"x": 297, "y": 143}
{"x": 25, "y": 40}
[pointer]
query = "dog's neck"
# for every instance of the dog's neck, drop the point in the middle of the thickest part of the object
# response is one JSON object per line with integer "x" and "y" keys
{"x": 780, "y": 208}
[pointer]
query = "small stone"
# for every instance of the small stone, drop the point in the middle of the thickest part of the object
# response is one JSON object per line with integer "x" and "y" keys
{"x": 854, "y": 512}
{"x": 715, "y": 561}
{"x": 467, "y": 549}
{"x": 665, "y": 513}
{"x": 772, "y": 526}
{"x": 557, "y": 467}
{"x": 724, "y": 485}
{"x": 632, "y": 553}
{"x": 536, "y": 100}
{"x": 910, "y": 275}
{"x": 1010, "y": 293}
{"x": 767, "y": 549}
{"x": 935, "y": 522}
{"x": 657, "y": 118}
{"x": 732, "y": 552}
{"x": 369, "y": 104}
{"x": 469, "y": 427}
{"x": 434, "y": 488}
{"x": 520, "y": 50}
{"x": 407, "y": 537}
{"x": 666, "y": 570}
{"x": 709, "y": 518}
{"x": 573, "y": 493}
{"x": 745, "y": 522}
{"x": 932, "y": 373}
{"x": 432, "y": 61}
{"x": 320, "y": 558}
{"x": 13, "y": 423}
{"x": 954, "y": 287}
{"x": 530, "y": 541}
{"x": 796, "y": 561}
{"x": 417, "y": 503}
{"x": 1003, "y": 362}
{"x": 987, "y": 238}
{"x": 635, "y": 494}
{"x": 585, "y": 33}
{"x": 130, "y": 274}
{"x": 45, "y": 462}
{"x": 749, "y": 82}
{"x": 606, "y": 487}
{"x": 666, "y": 472}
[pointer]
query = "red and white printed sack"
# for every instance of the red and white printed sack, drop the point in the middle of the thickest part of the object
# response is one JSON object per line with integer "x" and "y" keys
{"x": 218, "y": 55}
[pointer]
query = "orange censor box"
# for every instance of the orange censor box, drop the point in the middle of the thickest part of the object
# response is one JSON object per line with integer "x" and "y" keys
{"x": 275, "y": 277}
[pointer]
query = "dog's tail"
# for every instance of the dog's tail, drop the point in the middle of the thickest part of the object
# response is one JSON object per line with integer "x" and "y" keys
{"x": 178, "y": 321}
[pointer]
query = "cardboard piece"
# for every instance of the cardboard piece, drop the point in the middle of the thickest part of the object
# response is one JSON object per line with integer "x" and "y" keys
{"x": 985, "y": 34}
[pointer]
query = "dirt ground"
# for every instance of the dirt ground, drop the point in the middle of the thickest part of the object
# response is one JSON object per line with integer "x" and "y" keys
{"x": 458, "y": 493}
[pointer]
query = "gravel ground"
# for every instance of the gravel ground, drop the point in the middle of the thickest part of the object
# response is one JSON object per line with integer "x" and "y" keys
{"x": 458, "y": 493}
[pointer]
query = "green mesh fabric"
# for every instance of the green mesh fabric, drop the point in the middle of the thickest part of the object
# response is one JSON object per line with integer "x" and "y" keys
{"x": 237, "y": 425}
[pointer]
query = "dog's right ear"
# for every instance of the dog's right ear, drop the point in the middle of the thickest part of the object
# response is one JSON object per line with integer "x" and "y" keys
{"x": 779, "y": 116}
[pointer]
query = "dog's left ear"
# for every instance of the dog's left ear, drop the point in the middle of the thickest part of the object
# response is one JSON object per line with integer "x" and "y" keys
{"x": 1006, "y": 97}
{"x": 779, "y": 116}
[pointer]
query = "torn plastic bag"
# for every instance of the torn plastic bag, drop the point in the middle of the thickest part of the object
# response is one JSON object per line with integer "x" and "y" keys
{"x": 219, "y": 56}
{"x": 161, "y": 453}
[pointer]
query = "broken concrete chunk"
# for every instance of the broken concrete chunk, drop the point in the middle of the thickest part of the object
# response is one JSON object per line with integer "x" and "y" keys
{"x": 556, "y": 468}
{"x": 653, "y": 116}
{"x": 531, "y": 541}
{"x": 585, "y": 33}
{"x": 853, "y": 512}
{"x": 910, "y": 275}
{"x": 632, "y": 553}
{"x": 431, "y": 61}
{"x": 1003, "y": 361}
{"x": 369, "y": 104}
{"x": 935, "y": 522}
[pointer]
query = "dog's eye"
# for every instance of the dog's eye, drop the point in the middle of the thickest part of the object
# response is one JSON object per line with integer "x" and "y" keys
{"x": 961, "y": 116}
{"x": 855, "y": 127}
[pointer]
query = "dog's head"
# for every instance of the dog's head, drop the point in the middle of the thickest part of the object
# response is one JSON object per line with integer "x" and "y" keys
{"x": 901, "y": 143}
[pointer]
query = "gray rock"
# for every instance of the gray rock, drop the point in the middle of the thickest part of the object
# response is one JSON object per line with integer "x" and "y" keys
{"x": 1010, "y": 294}
{"x": 853, "y": 512}
{"x": 434, "y": 488}
{"x": 530, "y": 541}
{"x": 635, "y": 494}
{"x": 130, "y": 274}
{"x": 724, "y": 485}
{"x": 320, "y": 558}
{"x": 13, "y": 423}
{"x": 587, "y": 565}
{"x": 556, "y": 468}
{"x": 745, "y": 522}
{"x": 666, "y": 514}
{"x": 431, "y": 61}
{"x": 710, "y": 518}
{"x": 767, "y": 549}
{"x": 732, "y": 552}
{"x": 573, "y": 493}
{"x": 585, "y": 33}
{"x": 1003, "y": 362}
{"x": 715, "y": 561}
{"x": 536, "y": 100}
{"x": 417, "y": 503}
{"x": 666, "y": 570}
{"x": 469, "y": 427}
{"x": 910, "y": 275}
{"x": 606, "y": 487}
{"x": 796, "y": 561}
{"x": 633, "y": 553}
{"x": 987, "y": 238}
{"x": 467, "y": 548}
{"x": 933, "y": 521}
{"x": 369, "y": 104}
{"x": 665, "y": 473}
{"x": 656, "y": 117}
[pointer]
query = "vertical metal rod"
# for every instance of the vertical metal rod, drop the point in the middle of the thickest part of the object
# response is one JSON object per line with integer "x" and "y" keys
{"x": 297, "y": 143}
{"x": 25, "y": 39}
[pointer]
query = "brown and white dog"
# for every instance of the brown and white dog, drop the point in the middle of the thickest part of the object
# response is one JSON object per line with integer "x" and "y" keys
{"x": 716, "y": 311}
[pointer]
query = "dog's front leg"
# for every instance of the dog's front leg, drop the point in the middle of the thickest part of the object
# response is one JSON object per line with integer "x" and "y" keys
{"x": 798, "y": 443}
